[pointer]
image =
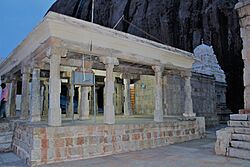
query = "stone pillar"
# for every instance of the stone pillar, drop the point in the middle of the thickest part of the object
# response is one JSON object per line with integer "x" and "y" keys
{"x": 8, "y": 104}
{"x": 109, "y": 113}
{"x": 70, "y": 109}
{"x": 46, "y": 99}
{"x": 158, "y": 113}
{"x": 25, "y": 93}
{"x": 54, "y": 116}
{"x": 42, "y": 98}
{"x": 188, "y": 106}
{"x": 127, "y": 98}
{"x": 84, "y": 103}
{"x": 35, "y": 107}
{"x": 243, "y": 8}
{"x": 13, "y": 96}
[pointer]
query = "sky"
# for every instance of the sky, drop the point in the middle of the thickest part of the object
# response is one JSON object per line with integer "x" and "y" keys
{"x": 17, "y": 19}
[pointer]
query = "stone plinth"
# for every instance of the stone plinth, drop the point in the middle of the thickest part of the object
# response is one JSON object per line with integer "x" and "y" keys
{"x": 45, "y": 145}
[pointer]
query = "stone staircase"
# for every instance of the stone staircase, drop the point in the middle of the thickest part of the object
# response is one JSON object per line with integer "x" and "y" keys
{"x": 6, "y": 134}
{"x": 234, "y": 141}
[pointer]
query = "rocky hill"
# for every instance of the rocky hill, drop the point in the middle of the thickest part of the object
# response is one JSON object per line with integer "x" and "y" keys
{"x": 179, "y": 23}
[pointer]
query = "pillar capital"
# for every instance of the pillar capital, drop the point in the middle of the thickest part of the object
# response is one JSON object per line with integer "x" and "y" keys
{"x": 186, "y": 74}
{"x": 158, "y": 68}
{"x": 129, "y": 76}
{"x": 13, "y": 77}
{"x": 56, "y": 51}
{"x": 25, "y": 69}
{"x": 109, "y": 61}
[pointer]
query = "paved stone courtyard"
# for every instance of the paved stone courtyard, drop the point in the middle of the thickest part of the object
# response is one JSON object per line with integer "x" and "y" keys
{"x": 197, "y": 153}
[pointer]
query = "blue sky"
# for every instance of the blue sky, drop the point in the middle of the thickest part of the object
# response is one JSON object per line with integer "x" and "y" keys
{"x": 17, "y": 19}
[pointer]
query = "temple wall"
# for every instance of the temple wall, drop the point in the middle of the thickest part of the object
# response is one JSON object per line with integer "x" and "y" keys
{"x": 145, "y": 95}
{"x": 118, "y": 98}
{"x": 220, "y": 89}
{"x": 173, "y": 93}
{"x": 204, "y": 98}
{"x": 45, "y": 145}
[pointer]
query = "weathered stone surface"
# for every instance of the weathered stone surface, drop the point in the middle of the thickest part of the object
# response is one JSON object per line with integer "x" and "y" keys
{"x": 239, "y": 130}
{"x": 239, "y": 153}
{"x": 239, "y": 117}
{"x": 239, "y": 123}
{"x": 241, "y": 137}
{"x": 75, "y": 142}
{"x": 240, "y": 144}
{"x": 223, "y": 141}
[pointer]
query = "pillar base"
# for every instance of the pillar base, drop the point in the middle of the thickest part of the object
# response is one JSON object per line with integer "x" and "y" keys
{"x": 158, "y": 120}
{"x": 83, "y": 118}
{"x": 189, "y": 114}
{"x": 35, "y": 119}
{"x": 55, "y": 120}
{"x": 109, "y": 122}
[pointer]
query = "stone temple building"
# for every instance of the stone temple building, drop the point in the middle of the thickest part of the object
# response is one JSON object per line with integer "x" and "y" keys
{"x": 64, "y": 58}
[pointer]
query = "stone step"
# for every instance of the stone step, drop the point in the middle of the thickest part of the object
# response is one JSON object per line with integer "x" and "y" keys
{"x": 233, "y": 123}
{"x": 239, "y": 153}
{"x": 6, "y": 137}
{"x": 239, "y": 130}
{"x": 240, "y": 117}
{"x": 240, "y": 145}
{"x": 241, "y": 137}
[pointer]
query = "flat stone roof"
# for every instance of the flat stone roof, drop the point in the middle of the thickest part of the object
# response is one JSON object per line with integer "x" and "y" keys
{"x": 78, "y": 36}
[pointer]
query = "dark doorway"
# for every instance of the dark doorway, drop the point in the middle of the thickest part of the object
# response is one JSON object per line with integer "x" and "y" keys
{"x": 100, "y": 98}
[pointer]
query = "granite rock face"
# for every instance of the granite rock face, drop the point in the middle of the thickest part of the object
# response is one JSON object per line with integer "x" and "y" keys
{"x": 178, "y": 23}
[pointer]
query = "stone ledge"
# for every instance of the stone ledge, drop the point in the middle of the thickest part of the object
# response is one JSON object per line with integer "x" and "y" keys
{"x": 240, "y": 144}
{"x": 241, "y": 137}
{"x": 233, "y": 123}
{"x": 240, "y": 117}
{"x": 239, "y": 153}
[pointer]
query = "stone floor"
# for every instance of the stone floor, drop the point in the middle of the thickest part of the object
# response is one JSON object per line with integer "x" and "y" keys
{"x": 197, "y": 153}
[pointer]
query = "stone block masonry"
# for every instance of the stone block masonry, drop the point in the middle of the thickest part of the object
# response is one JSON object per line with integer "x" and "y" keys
{"x": 234, "y": 141}
{"x": 46, "y": 145}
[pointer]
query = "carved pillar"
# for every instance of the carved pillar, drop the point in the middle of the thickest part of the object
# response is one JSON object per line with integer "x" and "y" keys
{"x": 54, "y": 116}
{"x": 84, "y": 103}
{"x": 25, "y": 92}
{"x": 13, "y": 90}
{"x": 46, "y": 99}
{"x": 127, "y": 98}
{"x": 35, "y": 107}
{"x": 188, "y": 96}
{"x": 243, "y": 8}
{"x": 70, "y": 109}
{"x": 109, "y": 113}
{"x": 8, "y": 103}
{"x": 158, "y": 113}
